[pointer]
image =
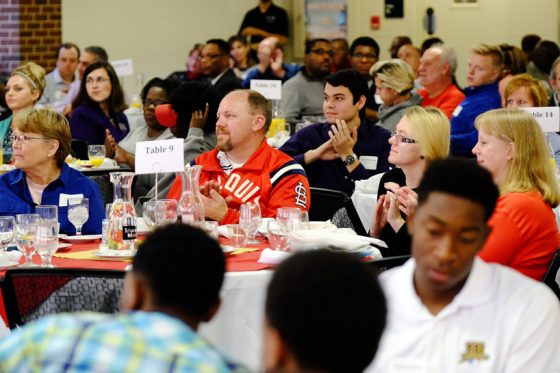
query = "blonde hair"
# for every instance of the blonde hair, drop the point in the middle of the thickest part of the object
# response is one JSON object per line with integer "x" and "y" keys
{"x": 537, "y": 91}
{"x": 49, "y": 124}
{"x": 431, "y": 130}
{"x": 34, "y": 75}
{"x": 530, "y": 168}
{"x": 395, "y": 74}
{"x": 493, "y": 51}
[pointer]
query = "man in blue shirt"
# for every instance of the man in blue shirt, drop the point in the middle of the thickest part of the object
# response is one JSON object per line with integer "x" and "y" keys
{"x": 172, "y": 288}
{"x": 484, "y": 69}
{"x": 346, "y": 148}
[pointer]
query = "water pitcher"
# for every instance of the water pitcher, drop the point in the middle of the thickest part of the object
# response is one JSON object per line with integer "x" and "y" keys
{"x": 190, "y": 208}
{"x": 122, "y": 217}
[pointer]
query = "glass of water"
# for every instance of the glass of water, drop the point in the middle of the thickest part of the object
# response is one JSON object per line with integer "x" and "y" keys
{"x": 250, "y": 220}
{"x": 26, "y": 230}
{"x": 277, "y": 234}
{"x": 78, "y": 213}
{"x": 46, "y": 240}
{"x": 6, "y": 231}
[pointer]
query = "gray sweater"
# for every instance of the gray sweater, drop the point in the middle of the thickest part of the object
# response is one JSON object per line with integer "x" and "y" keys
{"x": 389, "y": 116}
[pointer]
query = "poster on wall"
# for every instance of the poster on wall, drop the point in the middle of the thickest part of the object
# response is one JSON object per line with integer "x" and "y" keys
{"x": 326, "y": 19}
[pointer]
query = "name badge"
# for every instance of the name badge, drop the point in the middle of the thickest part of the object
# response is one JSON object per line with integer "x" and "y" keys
{"x": 63, "y": 199}
{"x": 369, "y": 162}
{"x": 457, "y": 111}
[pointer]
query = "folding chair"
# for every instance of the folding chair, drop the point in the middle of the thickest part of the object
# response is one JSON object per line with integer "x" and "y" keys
{"x": 30, "y": 293}
{"x": 79, "y": 149}
{"x": 552, "y": 274}
{"x": 326, "y": 202}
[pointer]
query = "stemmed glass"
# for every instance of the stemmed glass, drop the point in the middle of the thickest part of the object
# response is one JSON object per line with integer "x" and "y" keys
{"x": 26, "y": 230}
{"x": 46, "y": 239}
{"x": 149, "y": 213}
{"x": 78, "y": 213}
{"x": 6, "y": 232}
{"x": 250, "y": 220}
{"x": 96, "y": 154}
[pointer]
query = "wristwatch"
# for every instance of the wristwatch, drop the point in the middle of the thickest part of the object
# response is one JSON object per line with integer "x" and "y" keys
{"x": 349, "y": 160}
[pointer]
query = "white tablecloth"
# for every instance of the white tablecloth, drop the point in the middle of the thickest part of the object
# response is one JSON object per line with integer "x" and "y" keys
{"x": 237, "y": 328}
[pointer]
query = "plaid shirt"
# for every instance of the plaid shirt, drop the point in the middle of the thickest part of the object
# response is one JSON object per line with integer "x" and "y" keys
{"x": 93, "y": 342}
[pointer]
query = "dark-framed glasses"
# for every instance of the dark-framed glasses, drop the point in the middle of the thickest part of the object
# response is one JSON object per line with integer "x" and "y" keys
{"x": 401, "y": 138}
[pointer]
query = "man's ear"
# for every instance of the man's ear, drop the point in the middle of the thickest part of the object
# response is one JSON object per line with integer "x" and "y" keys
{"x": 277, "y": 356}
{"x": 259, "y": 122}
{"x": 212, "y": 311}
{"x": 361, "y": 102}
{"x": 134, "y": 294}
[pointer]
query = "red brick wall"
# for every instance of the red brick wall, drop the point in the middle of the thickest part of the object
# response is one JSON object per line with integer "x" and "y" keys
{"x": 30, "y": 30}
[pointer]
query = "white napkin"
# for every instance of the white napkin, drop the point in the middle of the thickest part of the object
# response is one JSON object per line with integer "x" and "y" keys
{"x": 370, "y": 185}
{"x": 10, "y": 258}
{"x": 269, "y": 256}
{"x": 108, "y": 163}
{"x": 304, "y": 240}
{"x": 223, "y": 231}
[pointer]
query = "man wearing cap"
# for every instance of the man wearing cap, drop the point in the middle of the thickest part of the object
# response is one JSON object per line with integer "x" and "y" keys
{"x": 243, "y": 168}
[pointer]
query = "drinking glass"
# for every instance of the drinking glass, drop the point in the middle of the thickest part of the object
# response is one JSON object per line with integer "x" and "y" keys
{"x": 250, "y": 220}
{"x": 26, "y": 230}
{"x": 304, "y": 220}
{"x": 277, "y": 234}
{"x": 6, "y": 231}
{"x": 210, "y": 227}
{"x": 236, "y": 235}
{"x": 47, "y": 212}
{"x": 165, "y": 211}
{"x": 289, "y": 216}
{"x": 46, "y": 240}
{"x": 96, "y": 154}
{"x": 149, "y": 213}
{"x": 78, "y": 213}
{"x": 108, "y": 210}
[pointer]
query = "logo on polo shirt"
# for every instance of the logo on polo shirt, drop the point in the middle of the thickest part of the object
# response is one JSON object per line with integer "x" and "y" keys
{"x": 474, "y": 351}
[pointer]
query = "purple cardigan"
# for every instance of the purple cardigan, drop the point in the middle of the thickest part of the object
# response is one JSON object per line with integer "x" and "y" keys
{"x": 88, "y": 123}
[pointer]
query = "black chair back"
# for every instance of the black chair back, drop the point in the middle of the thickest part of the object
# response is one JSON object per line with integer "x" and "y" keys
{"x": 552, "y": 273}
{"x": 30, "y": 293}
{"x": 79, "y": 149}
{"x": 389, "y": 262}
{"x": 325, "y": 202}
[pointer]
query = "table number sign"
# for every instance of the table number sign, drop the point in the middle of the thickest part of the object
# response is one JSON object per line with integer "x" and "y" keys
{"x": 158, "y": 156}
{"x": 123, "y": 67}
{"x": 270, "y": 89}
{"x": 547, "y": 117}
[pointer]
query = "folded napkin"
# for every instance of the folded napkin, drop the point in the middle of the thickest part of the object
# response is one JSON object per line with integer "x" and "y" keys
{"x": 274, "y": 257}
{"x": 370, "y": 185}
{"x": 9, "y": 258}
{"x": 341, "y": 239}
{"x": 88, "y": 255}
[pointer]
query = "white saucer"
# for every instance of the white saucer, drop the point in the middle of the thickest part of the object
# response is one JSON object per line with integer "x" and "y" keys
{"x": 80, "y": 239}
{"x": 113, "y": 254}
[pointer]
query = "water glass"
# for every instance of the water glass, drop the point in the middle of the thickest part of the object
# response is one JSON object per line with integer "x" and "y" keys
{"x": 149, "y": 213}
{"x": 7, "y": 227}
{"x": 96, "y": 154}
{"x": 47, "y": 212}
{"x": 165, "y": 211}
{"x": 78, "y": 213}
{"x": 250, "y": 220}
{"x": 289, "y": 216}
{"x": 236, "y": 235}
{"x": 26, "y": 230}
{"x": 304, "y": 220}
{"x": 277, "y": 234}
{"x": 108, "y": 210}
{"x": 46, "y": 241}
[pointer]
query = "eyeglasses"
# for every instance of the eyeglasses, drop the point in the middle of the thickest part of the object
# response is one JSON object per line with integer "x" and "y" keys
{"x": 24, "y": 139}
{"x": 368, "y": 56}
{"x": 154, "y": 102}
{"x": 401, "y": 138}
{"x": 98, "y": 80}
{"x": 321, "y": 51}
{"x": 210, "y": 56}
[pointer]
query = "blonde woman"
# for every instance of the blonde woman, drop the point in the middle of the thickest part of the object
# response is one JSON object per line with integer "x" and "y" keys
{"x": 421, "y": 136}
{"x": 394, "y": 82}
{"x": 24, "y": 88}
{"x": 524, "y": 235}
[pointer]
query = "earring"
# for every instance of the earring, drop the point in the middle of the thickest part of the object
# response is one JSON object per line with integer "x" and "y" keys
{"x": 421, "y": 157}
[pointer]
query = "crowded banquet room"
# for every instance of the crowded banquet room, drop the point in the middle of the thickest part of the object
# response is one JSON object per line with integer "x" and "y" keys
{"x": 335, "y": 186}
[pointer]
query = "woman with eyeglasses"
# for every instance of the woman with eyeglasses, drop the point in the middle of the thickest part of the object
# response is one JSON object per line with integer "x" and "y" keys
{"x": 24, "y": 88}
{"x": 421, "y": 136}
{"x": 394, "y": 82}
{"x": 154, "y": 93}
{"x": 41, "y": 141}
{"x": 99, "y": 106}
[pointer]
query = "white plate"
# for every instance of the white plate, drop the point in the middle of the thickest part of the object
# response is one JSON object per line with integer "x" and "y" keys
{"x": 4, "y": 266}
{"x": 62, "y": 246}
{"x": 113, "y": 254}
{"x": 80, "y": 239}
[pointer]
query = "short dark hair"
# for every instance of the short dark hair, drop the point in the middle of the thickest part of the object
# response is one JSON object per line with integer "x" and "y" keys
{"x": 544, "y": 54}
{"x": 354, "y": 81}
{"x": 67, "y": 45}
{"x": 328, "y": 308}
{"x": 310, "y": 44}
{"x": 223, "y": 46}
{"x": 462, "y": 178}
{"x": 183, "y": 267}
{"x": 367, "y": 41}
{"x": 116, "y": 99}
{"x": 430, "y": 42}
{"x": 259, "y": 104}
{"x": 167, "y": 85}
{"x": 98, "y": 51}
{"x": 192, "y": 96}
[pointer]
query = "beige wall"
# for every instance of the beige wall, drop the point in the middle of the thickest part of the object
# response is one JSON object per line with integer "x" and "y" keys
{"x": 158, "y": 34}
